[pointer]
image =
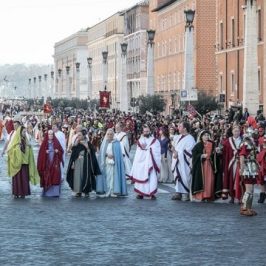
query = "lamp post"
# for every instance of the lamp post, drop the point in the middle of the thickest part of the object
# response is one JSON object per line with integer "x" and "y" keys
{"x": 250, "y": 82}
{"x": 40, "y": 87}
{"x": 45, "y": 93}
{"x": 52, "y": 85}
{"x": 89, "y": 92}
{"x": 59, "y": 83}
{"x": 68, "y": 89}
{"x": 34, "y": 88}
{"x": 123, "y": 83}
{"x": 29, "y": 89}
{"x": 78, "y": 80}
{"x": 150, "y": 62}
{"x": 189, "y": 77}
{"x": 105, "y": 69}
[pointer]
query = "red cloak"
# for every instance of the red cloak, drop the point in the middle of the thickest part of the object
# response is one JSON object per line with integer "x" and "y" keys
{"x": 50, "y": 172}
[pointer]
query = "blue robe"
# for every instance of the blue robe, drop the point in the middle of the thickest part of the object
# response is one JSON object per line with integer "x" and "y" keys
{"x": 120, "y": 186}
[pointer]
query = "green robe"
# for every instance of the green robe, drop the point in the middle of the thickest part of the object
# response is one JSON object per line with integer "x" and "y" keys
{"x": 16, "y": 158}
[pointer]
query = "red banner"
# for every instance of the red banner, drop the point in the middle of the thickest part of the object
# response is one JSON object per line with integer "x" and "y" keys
{"x": 105, "y": 99}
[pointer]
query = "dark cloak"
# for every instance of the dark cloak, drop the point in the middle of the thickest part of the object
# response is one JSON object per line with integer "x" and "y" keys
{"x": 197, "y": 178}
{"x": 90, "y": 167}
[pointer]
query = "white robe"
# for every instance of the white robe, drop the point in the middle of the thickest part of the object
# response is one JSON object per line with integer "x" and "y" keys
{"x": 123, "y": 139}
{"x": 144, "y": 170}
{"x": 181, "y": 167}
{"x": 62, "y": 140}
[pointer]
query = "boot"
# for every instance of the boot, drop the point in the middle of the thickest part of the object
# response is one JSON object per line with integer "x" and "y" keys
{"x": 262, "y": 197}
{"x": 246, "y": 208}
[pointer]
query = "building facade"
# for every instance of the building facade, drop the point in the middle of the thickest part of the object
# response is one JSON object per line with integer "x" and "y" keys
{"x": 67, "y": 53}
{"x": 168, "y": 19}
{"x": 136, "y": 21}
{"x": 106, "y": 36}
{"x": 230, "y": 40}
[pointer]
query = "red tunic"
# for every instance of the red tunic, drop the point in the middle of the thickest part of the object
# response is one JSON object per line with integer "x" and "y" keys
{"x": 231, "y": 178}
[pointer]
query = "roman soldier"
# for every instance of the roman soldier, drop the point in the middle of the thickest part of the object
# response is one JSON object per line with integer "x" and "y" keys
{"x": 249, "y": 171}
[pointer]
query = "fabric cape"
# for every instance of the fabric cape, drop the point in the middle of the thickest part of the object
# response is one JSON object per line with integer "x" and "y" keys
{"x": 50, "y": 172}
{"x": 197, "y": 173}
{"x": 90, "y": 167}
{"x": 16, "y": 158}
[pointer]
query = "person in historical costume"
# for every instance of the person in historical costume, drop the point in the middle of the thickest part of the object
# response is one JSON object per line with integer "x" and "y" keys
{"x": 83, "y": 166}
{"x": 146, "y": 165}
{"x": 11, "y": 135}
{"x": 261, "y": 159}
{"x": 112, "y": 181}
{"x": 123, "y": 139}
{"x": 62, "y": 140}
{"x": 9, "y": 124}
{"x": 165, "y": 175}
{"x": 21, "y": 164}
{"x": 49, "y": 159}
{"x": 1, "y": 128}
{"x": 181, "y": 162}
{"x": 203, "y": 178}
{"x": 231, "y": 165}
{"x": 249, "y": 170}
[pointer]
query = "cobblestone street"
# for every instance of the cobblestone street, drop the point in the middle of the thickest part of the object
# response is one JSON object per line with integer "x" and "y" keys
{"x": 126, "y": 231}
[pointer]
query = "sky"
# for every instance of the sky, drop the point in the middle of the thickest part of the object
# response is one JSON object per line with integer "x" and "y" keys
{"x": 30, "y": 28}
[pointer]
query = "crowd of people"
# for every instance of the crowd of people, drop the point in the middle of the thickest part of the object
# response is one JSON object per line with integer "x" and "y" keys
{"x": 207, "y": 157}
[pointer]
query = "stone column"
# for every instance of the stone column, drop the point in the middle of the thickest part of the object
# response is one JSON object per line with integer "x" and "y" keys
{"x": 150, "y": 63}
{"x": 123, "y": 82}
{"x": 250, "y": 83}
{"x": 189, "y": 78}
{"x": 78, "y": 80}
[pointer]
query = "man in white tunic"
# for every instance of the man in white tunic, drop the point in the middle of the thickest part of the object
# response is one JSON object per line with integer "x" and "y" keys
{"x": 181, "y": 163}
{"x": 62, "y": 140}
{"x": 146, "y": 165}
{"x": 123, "y": 139}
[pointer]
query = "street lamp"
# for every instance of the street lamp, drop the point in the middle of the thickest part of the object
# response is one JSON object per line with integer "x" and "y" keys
{"x": 124, "y": 48}
{"x": 67, "y": 69}
{"x": 77, "y": 66}
{"x": 150, "y": 62}
{"x": 105, "y": 56}
{"x": 190, "y": 14}
{"x": 59, "y": 72}
{"x": 89, "y": 60}
{"x": 151, "y": 35}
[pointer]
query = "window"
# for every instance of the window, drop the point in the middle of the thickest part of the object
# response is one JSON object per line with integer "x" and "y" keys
{"x": 221, "y": 83}
{"x": 259, "y": 26}
{"x": 259, "y": 80}
{"x": 221, "y": 36}
{"x": 233, "y": 32}
{"x": 232, "y": 82}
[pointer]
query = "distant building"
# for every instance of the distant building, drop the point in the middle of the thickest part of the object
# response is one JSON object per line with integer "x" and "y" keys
{"x": 136, "y": 26}
{"x": 68, "y": 52}
{"x": 230, "y": 28}
{"x": 168, "y": 19}
{"x": 107, "y": 35}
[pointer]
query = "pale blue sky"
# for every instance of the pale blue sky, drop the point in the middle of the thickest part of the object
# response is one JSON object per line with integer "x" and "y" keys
{"x": 29, "y": 28}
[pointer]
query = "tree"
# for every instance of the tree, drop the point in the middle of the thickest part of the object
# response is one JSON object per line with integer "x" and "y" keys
{"x": 151, "y": 103}
{"x": 205, "y": 103}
